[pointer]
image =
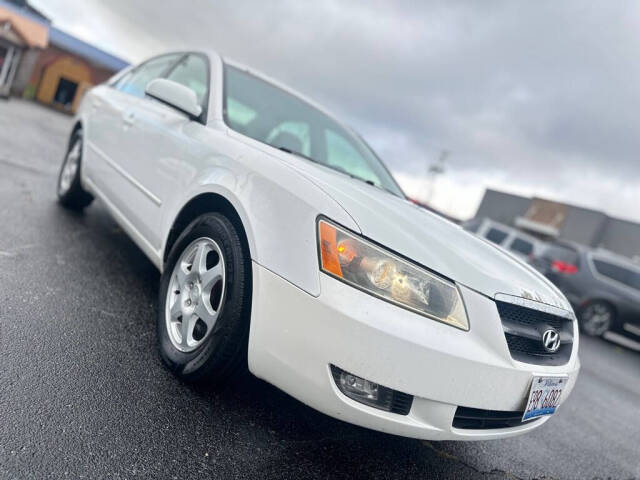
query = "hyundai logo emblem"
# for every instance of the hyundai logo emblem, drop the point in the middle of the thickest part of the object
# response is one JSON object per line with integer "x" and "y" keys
{"x": 551, "y": 340}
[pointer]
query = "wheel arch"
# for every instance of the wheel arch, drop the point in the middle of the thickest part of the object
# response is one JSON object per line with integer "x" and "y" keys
{"x": 77, "y": 126}
{"x": 601, "y": 299}
{"x": 207, "y": 202}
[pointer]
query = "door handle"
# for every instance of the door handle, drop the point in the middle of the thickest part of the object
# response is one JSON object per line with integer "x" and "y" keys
{"x": 128, "y": 119}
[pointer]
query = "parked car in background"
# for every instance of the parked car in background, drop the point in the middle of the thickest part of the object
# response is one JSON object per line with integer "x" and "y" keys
{"x": 603, "y": 287}
{"x": 511, "y": 239}
{"x": 285, "y": 245}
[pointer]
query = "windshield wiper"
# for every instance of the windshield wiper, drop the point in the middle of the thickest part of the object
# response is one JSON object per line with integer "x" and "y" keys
{"x": 297, "y": 154}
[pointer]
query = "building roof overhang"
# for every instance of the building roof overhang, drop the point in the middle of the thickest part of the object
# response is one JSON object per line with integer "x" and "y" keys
{"x": 33, "y": 34}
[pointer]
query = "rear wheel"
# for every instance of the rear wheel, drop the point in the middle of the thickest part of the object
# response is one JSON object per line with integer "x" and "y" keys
{"x": 204, "y": 302}
{"x": 596, "y": 318}
{"x": 70, "y": 191}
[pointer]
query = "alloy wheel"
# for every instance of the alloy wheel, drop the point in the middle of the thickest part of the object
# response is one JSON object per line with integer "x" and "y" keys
{"x": 596, "y": 318}
{"x": 195, "y": 295}
{"x": 70, "y": 167}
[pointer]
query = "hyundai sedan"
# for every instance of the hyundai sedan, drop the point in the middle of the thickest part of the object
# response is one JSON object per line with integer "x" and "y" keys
{"x": 286, "y": 247}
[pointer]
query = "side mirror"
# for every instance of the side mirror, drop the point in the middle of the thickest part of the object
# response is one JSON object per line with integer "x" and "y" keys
{"x": 175, "y": 95}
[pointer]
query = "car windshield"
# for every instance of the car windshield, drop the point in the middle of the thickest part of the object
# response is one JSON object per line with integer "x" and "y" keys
{"x": 264, "y": 112}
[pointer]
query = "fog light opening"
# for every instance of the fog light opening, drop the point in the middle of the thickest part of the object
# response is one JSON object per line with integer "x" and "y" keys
{"x": 370, "y": 393}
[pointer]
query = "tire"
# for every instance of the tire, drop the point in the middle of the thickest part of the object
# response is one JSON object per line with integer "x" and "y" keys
{"x": 596, "y": 318}
{"x": 71, "y": 195}
{"x": 215, "y": 345}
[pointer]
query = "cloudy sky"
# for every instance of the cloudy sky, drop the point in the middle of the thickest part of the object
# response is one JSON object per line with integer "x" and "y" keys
{"x": 536, "y": 98}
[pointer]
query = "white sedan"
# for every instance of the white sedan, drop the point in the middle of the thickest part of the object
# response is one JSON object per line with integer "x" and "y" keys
{"x": 286, "y": 246}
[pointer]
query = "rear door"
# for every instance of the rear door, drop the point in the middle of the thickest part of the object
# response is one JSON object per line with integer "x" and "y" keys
{"x": 113, "y": 138}
{"x": 623, "y": 285}
{"x": 163, "y": 144}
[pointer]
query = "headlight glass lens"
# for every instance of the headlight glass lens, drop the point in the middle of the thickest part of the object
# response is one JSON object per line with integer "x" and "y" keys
{"x": 364, "y": 265}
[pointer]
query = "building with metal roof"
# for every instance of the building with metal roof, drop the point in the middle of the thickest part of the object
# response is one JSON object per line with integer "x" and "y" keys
{"x": 40, "y": 61}
{"x": 71, "y": 44}
{"x": 548, "y": 219}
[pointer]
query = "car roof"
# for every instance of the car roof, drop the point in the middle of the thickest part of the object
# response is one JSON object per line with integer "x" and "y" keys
{"x": 600, "y": 253}
{"x": 519, "y": 233}
{"x": 215, "y": 56}
{"x": 603, "y": 254}
{"x": 570, "y": 244}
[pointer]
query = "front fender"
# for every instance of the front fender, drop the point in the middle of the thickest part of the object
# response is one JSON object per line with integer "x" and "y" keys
{"x": 278, "y": 208}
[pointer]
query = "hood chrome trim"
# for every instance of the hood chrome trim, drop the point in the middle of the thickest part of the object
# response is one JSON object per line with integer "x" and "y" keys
{"x": 535, "y": 305}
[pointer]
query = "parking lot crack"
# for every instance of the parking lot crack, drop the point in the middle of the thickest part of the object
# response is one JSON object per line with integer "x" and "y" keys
{"x": 495, "y": 471}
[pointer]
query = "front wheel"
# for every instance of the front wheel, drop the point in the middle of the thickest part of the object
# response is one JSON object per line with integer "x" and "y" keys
{"x": 70, "y": 192}
{"x": 204, "y": 302}
{"x": 596, "y": 318}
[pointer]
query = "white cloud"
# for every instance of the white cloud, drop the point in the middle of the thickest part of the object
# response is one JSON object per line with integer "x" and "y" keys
{"x": 539, "y": 98}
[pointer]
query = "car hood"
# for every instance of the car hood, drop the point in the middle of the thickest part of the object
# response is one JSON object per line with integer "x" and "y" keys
{"x": 433, "y": 241}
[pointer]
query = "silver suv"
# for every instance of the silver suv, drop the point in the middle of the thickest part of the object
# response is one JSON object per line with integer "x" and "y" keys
{"x": 511, "y": 239}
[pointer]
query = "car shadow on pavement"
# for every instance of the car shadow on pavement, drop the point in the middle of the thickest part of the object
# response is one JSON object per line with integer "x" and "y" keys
{"x": 299, "y": 440}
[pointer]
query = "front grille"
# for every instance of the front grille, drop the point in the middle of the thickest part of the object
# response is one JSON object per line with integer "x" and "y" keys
{"x": 527, "y": 316}
{"x": 528, "y": 346}
{"x": 523, "y": 329}
{"x": 478, "y": 419}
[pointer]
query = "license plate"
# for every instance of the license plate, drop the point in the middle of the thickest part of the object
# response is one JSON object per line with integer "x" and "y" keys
{"x": 544, "y": 396}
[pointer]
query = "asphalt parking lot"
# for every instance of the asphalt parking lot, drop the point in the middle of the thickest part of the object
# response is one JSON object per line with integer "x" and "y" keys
{"x": 83, "y": 393}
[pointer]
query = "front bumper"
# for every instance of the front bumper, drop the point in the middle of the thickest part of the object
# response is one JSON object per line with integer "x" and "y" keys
{"x": 295, "y": 337}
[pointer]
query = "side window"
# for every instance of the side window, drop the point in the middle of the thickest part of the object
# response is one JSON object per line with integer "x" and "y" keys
{"x": 496, "y": 235}
{"x": 616, "y": 272}
{"x": 135, "y": 82}
{"x": 117, "y": 77}
{"x": 192, "y": 72}
{"x": 123, "y": 80}
{"x": 521, "y": 246}
{"x": 341, "y": 154}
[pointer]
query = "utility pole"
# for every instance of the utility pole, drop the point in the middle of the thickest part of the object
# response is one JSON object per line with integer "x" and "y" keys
{"x": 433, "y": 170}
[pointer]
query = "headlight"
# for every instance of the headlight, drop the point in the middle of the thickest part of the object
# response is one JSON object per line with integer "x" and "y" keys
{"x": 366, "y": 266}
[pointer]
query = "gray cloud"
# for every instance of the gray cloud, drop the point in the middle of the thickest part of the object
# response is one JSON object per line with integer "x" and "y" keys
{"x": 538, "y": 97}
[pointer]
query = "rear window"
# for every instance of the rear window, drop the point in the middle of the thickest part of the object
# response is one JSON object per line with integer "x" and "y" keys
{"x": 496, "y": 235}
{"x": 522, "y": 246}
{"x": 618, "y": 273}
{"x": 562, "y": 254}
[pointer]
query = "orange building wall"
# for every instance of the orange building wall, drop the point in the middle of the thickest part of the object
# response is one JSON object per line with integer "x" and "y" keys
{"x": 33, "y": 34}
{"x": 53, "y": 64}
